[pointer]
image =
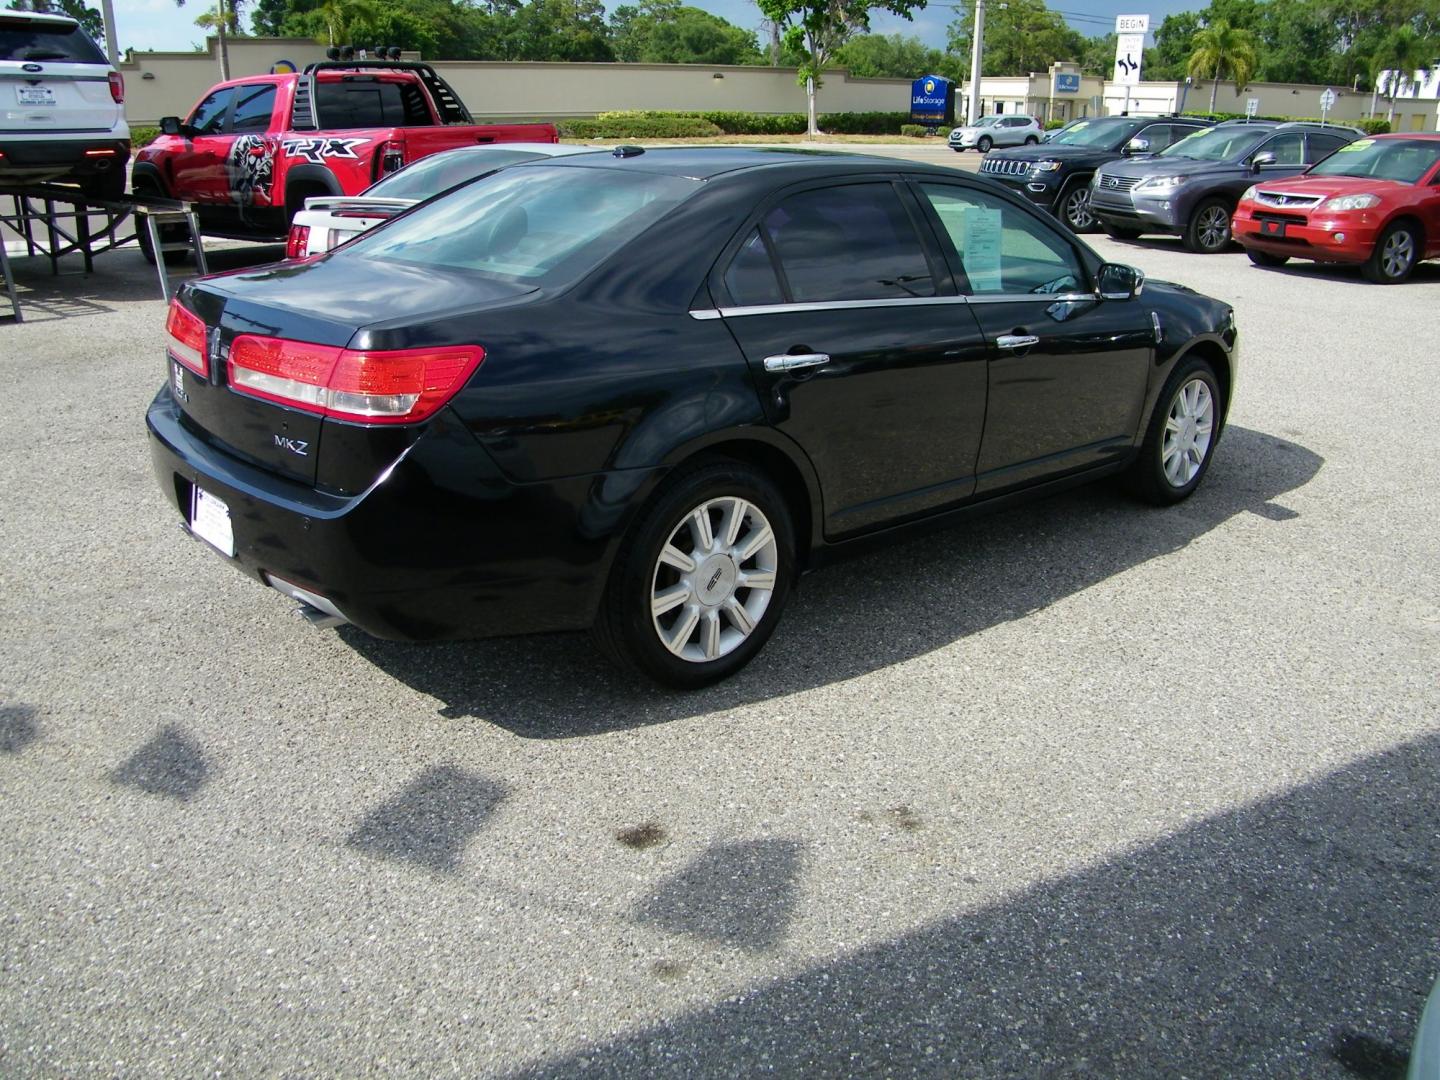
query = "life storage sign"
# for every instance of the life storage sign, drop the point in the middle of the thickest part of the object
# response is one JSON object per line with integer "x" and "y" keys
{"x": 932, "y": 100}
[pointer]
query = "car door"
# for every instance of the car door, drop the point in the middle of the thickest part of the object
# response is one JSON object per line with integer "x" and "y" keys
{"x": 1319, "y": 146}
{"x": 250, "y": 155}
{"x": 862, "y": 351}
{"x": 1067, "y": 372}
{"x": 1428, "y": 206}
{"x": 199, "y": 169}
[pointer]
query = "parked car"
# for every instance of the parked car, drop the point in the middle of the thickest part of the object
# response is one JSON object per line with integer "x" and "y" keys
{"x": 1056, "y": 174}
{"x": 642, "y": 391}
{"x": 254, "y": 149}
{"x": 996, "y": 130}
{"x": 1190, "y": 189}
{"x": 1375, "y": 203}
{"x": 61, "y": 115}
{"x": 327, "y": 222}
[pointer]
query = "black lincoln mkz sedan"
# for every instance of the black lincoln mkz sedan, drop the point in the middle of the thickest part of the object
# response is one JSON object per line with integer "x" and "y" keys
{"x": 640, "y": 392}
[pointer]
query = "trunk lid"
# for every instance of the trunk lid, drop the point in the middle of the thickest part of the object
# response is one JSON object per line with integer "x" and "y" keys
{"x": 337, "y": 301}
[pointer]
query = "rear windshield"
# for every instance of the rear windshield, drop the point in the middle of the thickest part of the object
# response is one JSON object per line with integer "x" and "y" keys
{"x": 1405, "y": 160}
{"x": 22, "y": 39}
{"x": 441, "y": 172}
{"x": 1216, "y": 144}
{"x": 535, "y": 225}
{"x": 367, "y": 101}
{"x": 1094, "y": 133}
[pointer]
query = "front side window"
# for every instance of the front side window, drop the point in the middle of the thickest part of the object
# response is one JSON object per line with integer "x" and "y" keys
{"x": 1289, "y": 149}
{"x": 852, "y": 242}
{"x": 209, "y": 115}
{"x": 1001, "y": 248}
{"x": 1157, "y": 135}
{"x": 253, "y": 105}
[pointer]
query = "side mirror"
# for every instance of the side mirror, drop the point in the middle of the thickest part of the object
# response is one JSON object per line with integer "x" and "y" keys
{"x": 1136, "y": 145}
{"x": 1259, "y": 160}
{"x": 1116, "y": 281}
{"x": 171, "y": 125}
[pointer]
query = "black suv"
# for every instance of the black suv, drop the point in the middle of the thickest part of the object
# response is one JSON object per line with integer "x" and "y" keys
{"x": 1190, "y": 189}
{"x": 1056, "y": 174}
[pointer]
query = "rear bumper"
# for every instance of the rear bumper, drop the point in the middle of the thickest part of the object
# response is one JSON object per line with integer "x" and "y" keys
{"x": 27, "y": 159}
{"x": 1312, "y": 240}
{"x": 441, "y": 546}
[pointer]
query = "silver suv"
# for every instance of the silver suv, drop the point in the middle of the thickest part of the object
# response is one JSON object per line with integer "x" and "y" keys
{"x": 997, "y": 130}
{"x": 61, "y": 114}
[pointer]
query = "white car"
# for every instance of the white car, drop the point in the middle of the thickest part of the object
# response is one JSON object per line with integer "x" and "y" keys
{"x": 61, "y": 115}
{"x": 997, "y": 130}
{"x": 330, "y": 220}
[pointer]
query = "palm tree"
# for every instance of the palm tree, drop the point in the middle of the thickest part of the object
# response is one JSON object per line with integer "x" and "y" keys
{"x": 1402, "y": 52}
{"x": 1222, "y": 48}
{"x": 341, "y": 18}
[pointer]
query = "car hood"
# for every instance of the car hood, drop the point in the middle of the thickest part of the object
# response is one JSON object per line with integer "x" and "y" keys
{"x": 1329, "y": 186}
{"x": 328, "y": 299}
{"x": 1168, "y": 166}
{"x": 1048, "y": 152}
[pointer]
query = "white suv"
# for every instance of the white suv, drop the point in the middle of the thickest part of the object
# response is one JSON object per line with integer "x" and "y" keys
{"x": 61, "y": 115}
{"x": 997, "y": 130}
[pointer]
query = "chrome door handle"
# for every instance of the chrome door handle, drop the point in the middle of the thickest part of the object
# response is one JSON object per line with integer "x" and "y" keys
{"x": 1016, "y": 341}
{"x": 793, "y": 361}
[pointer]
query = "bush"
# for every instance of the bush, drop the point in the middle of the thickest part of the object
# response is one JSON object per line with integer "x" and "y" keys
{"x": 142, "y": 136}
{"x": 638, "y": 126}
{"x": 914, "y": 131}
{"x": 1051, "y": 125}
{"x": 743, "y": 123}
{"x": 865, "y": 123}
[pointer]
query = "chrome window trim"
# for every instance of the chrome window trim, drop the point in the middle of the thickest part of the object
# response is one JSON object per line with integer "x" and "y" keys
{"x": 706, "y": 314}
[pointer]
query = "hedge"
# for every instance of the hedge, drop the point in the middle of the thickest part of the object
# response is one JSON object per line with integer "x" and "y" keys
{"x": 914, "y": 131}
{"x": 1370, "y": 125}
{"x": 654, "y": 124}
{"x": 638, "y": 127}
{"x": 143, "y": 136}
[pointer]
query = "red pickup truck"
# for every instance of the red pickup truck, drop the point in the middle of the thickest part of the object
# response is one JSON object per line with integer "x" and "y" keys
{"x": 254, "y": 149}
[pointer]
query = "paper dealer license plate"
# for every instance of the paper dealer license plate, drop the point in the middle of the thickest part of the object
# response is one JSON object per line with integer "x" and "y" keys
{"x": 35, "y": 95}
{"x": 210, "y": 520}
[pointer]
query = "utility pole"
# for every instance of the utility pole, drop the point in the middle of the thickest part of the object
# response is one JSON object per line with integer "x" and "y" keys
{"x": 107, "y": 12}
{"x": 977, "y": 46}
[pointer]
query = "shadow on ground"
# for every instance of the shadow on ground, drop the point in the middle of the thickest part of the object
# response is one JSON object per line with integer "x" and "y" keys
{"x": 1293, "y": 938}
{"x": 17, "y": 728}
{"x": 865, "y": 614}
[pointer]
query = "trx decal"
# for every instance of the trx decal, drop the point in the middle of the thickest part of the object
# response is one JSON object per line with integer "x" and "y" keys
{"x": 317, "y": 149}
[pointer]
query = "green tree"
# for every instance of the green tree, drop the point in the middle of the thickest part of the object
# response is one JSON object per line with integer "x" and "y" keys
{"x": 878, "y": 56}
{"x": 1021, "y": 36}
{"x": 89, "y": 19}
{"x": 1220, "y": 48}
{"x": 1297, "y": 42}
{"x": 817, "y": 28}
{"x": 1402, "y": 53}
{"x": 1174, "y": 42}
{"x": 667, "y": 32}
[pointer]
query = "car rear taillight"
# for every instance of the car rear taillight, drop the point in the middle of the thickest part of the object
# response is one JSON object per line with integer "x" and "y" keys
{"x": 117, "y": 87}
{"x": 397, "y": 386}
{"x": 297, "y": 241}
{"x": 391, "y": 157}
{"x": 187, "y": 339}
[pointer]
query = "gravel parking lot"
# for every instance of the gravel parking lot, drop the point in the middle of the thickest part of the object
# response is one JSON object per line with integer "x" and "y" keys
{"x": 1085, "y": 788}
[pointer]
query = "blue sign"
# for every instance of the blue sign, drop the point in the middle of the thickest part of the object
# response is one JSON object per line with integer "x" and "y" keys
{"x": 932, "y": 100}
{"x": 1067, "y": 84}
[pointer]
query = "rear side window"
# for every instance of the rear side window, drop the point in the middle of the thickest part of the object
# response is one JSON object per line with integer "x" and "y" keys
{"x": 253, "y": 106}
{"x": 538, "y": 225}
{"x": 1319, "y": 147}
{"x": 852, "y": 242}
{"x": 751, "y": 279}
{"x": 369, "y": 102}
{"x": 24, "y": 39}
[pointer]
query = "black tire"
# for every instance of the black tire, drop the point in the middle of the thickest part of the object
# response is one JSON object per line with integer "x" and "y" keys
{"x": 1119, "y": 232}
{"x": 1148, "y": 478}
{"x": 984, "y": 143}
{"x": 1074, "y": 207}
{"x": 1396, "y": 252}
{"x": 169, "y": 234}
{"x": 958, "y": 149}
{"x": 1032, "y": 140}
{"x": 1208, "y": 231}
{"x": 108, "y": 185}
{"x": 1264, "y": 258}
{"x": 625, "y": 628}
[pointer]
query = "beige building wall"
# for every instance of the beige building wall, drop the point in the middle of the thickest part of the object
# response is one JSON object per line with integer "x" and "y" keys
{"x": 170, "y": 84}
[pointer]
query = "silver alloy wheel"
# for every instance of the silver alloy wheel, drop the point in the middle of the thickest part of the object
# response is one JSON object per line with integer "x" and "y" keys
{"x": 714, "y": 579}
{"x": 1189, "y": 428}
{"x": 1214, "y": 228}
{"x": 1398, "y": 253}
{"x": 1077, "y": 208}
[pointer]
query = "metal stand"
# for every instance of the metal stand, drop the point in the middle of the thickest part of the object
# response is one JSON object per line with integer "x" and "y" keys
{"x": 55, "y": 221}
{"x": 10, "y": 285}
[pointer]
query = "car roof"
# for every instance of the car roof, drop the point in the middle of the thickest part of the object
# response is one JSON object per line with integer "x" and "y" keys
{"x": 37, "y": 16}
{"x": 708, "y": 162}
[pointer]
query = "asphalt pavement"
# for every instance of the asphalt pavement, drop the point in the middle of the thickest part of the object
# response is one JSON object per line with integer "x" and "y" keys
{"x": 1082, "y": 789}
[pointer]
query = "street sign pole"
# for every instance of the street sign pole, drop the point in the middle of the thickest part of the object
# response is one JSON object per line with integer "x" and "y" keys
{"x": 1130, "y": 31}
{"x": 1327, "y": 102}
{"x": 977, "y": 46}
